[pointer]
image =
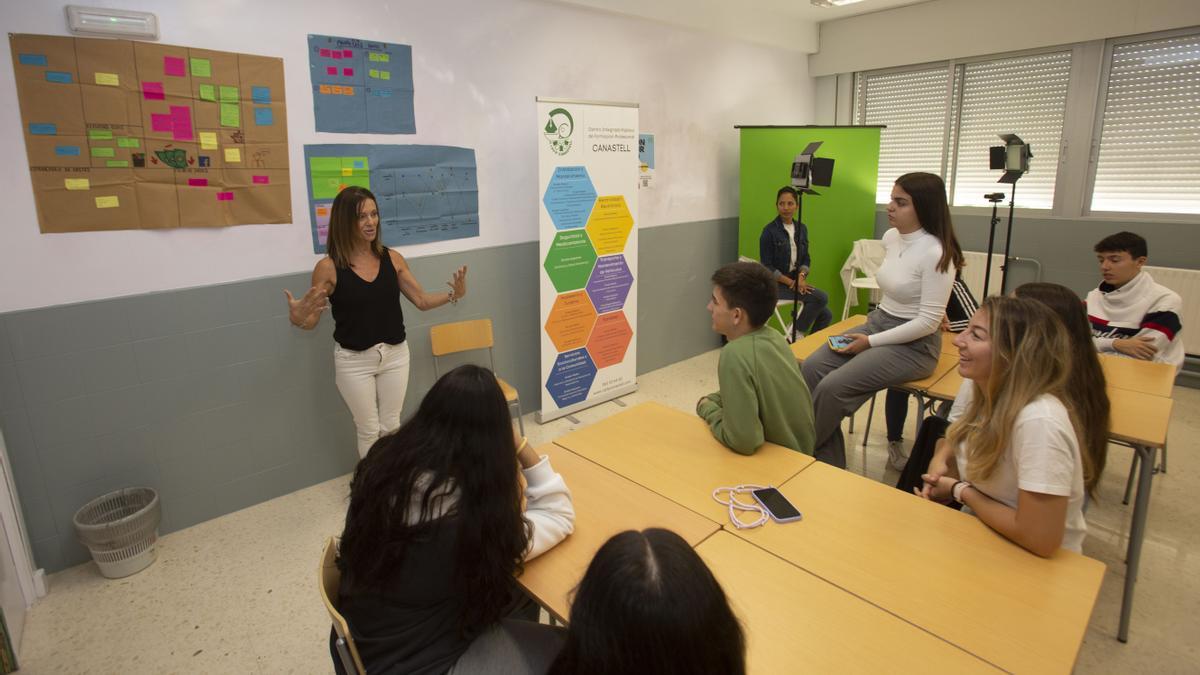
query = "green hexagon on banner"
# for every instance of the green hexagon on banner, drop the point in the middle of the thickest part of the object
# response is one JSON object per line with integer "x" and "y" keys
{"x": 570, "y": 260}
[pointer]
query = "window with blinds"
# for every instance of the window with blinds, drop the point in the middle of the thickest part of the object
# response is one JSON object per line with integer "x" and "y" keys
{"x": 944, "y": 119}
{"x": 1026, "y": 96}
{"x": 914, "y": 106}
{"x": 1149, "y": 149}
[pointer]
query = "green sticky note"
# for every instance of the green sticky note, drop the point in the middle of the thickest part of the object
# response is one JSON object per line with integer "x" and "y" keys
{"x": 201, "y": 67}
{"x": 128, "y": 143}
{"x": 208, "y": 92}
{"x": 383, "y": 58}
{"x": 385, "y": 74}
{"x": 230, "y": 115}
{"x": 117, "y": 163}
{"x": 372, "y": 72}
{"x": 100, "y": 134}
{"x": 326, "y": 165}
{"x": 229, "y": 94}
{"x": 104, "y": 152}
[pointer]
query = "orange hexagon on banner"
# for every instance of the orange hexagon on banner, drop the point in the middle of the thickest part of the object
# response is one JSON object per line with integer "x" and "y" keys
{"x": 610, "y": 338}
{"x": 570, "y": 321}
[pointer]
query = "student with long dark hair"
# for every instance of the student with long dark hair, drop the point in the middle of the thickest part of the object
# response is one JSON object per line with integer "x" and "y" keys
{"x": 783, "y": 249}
{"x": 1013, "y": 455}
{"x": 436, "y": 532}
{"x": 1085, "y": 390}
{"x": 649, "y": 604}
{"x": 900, "y": 341}
{"x": 363, "y": 280}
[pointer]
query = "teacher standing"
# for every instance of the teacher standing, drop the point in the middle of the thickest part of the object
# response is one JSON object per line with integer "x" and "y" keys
{"x": 362, "y": 279}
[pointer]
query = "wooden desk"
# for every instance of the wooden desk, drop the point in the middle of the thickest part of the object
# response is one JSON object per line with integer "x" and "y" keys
{"x": 948, "y": 343}
{"x": 1144, "y": 376}
{"x": 946, "y": 363}
{"x": 605, "y": 504}
{"x": 804, "y": 347}
{"x": 675, "y": 455}
{"x": 946, "y": 388}
{"x": 795, "y": 622}
{"x": 939, "y": 569}
{"x": 1138, "y": 418}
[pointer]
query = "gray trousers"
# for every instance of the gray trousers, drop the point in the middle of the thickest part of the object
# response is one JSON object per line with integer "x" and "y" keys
{"x": 512, "y": 647}
{"x": 840, "y": 384}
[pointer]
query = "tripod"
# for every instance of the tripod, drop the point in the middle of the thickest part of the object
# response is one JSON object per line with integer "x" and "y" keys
{"x": 796, "y": 266}
{"x": 995, "y": 198}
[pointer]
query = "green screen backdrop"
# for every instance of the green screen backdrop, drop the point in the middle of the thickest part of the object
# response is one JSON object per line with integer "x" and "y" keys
{"x": 840, "y": 214}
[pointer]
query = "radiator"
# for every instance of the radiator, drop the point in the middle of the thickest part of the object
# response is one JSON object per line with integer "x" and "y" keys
{"x": 973, "y": 271}
{"x": 1187, "y": 284}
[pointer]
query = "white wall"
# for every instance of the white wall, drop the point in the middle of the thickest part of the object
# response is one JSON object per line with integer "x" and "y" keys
{"x": 478, "y": 65}
{"x": 946, "y": 29}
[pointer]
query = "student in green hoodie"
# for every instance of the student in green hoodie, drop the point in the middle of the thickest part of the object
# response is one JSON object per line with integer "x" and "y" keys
{"x": 763, "y": 397}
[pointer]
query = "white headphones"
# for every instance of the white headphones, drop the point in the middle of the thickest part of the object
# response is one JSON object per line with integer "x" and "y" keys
{"x": 735, "y": 505}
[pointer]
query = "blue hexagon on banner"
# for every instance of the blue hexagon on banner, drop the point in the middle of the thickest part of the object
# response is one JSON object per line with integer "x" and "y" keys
{"x": 569, "y": 197}
{"x": 571, "y": 377}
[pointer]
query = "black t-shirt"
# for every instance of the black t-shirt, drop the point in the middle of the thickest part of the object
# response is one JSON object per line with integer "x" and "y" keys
{"x": 365, "y": 314}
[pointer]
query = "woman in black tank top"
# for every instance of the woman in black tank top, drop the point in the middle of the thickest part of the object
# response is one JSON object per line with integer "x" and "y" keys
{"x": 363, "y": 280}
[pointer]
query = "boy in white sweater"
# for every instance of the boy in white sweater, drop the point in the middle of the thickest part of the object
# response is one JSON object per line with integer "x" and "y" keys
{"x": 1131, "y": 315}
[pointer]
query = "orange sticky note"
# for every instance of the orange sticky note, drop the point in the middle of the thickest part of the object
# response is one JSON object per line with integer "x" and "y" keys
{"x": 348, "y": 91}
{"x": 322, "y": 211}
{"x": 110, "y": 202}
{"x": 336, "y": 89}
{"x": 325, "y": 89}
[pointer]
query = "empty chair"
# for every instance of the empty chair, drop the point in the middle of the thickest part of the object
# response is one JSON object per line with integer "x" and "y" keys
{"x": 465, "y": 336}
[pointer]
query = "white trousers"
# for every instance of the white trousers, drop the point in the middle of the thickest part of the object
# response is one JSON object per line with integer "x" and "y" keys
{"x": 373, "y": 383}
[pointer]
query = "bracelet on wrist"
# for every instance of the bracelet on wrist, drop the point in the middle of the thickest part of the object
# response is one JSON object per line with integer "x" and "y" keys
{"x": 957, "y": 491}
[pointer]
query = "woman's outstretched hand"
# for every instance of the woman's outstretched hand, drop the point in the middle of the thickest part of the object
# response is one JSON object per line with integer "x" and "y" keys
{"x": 306, "y": 311}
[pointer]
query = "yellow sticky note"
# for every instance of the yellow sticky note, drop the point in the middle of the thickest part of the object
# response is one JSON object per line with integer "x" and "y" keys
{"x": 372, "y": 72}
{"x": 208, "y": 140}
{"x": 77, "y": 184}
{"x": 107, "y": 202}
{"x": 233, "y": 154}
{"x": 108, "y": 79}
{"x": 347, "y": 171}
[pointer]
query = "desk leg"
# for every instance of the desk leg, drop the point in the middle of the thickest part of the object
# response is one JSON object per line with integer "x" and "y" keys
{"x": 1137, "y": 531}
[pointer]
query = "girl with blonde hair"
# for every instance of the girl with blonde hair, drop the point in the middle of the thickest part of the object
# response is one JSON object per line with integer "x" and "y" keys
{"x": 1011, "y": 455}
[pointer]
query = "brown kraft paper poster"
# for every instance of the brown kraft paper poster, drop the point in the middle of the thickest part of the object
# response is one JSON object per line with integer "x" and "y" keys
{"x": 131, "y": 135}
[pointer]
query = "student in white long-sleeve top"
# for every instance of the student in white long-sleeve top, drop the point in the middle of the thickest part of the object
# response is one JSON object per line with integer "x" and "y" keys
{"x": 442, "y": 515}
{"x": 900, "y": 341}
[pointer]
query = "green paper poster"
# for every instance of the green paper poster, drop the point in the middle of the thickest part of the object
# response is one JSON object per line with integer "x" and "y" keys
{"x": 840, "y": 214}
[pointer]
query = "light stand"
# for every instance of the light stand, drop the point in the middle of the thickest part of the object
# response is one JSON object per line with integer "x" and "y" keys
{"x": 1013, "y": 158}
{"x": 807, "y": 171}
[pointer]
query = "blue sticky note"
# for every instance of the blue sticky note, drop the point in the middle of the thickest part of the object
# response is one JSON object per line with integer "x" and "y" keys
{"x": 358, "y": 164}
{"x": 43, "y": 129}
{"x": 57, "y": 76}
{"x": 383, "y": 93}
{"x": 32, "y": 59}
{"x": 66, "y": 150}
{"x": 260, "y": 95}
{"x": 263, "y": 117}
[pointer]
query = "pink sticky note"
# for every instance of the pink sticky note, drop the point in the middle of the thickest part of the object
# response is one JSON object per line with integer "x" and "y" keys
{"x": 181, "y": 123}
{"x": 262, "y": 180}
{"x": 331, "y": 70}
{"x": 336, "y": 54}
{"x": 326, "y": 53}
{"x": 173, "y": 66}
{"x": 152, "y": 91}
{"x": 198, "y": 182}
{"x": 346, "y": 53}
{"x": 224, "y": 196}
{"x": 162, "y": 123}
{"x": 348, "y": 72}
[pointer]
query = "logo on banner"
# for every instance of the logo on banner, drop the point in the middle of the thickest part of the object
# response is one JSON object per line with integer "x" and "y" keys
{"x": 558, "y": 130}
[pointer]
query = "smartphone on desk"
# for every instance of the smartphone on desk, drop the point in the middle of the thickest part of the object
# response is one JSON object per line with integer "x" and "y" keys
{"x": 840, "y": 341}
{"x": 779, "y": 508}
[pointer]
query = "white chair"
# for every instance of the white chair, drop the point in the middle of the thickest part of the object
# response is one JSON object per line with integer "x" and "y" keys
{"x": 858, "y": 272}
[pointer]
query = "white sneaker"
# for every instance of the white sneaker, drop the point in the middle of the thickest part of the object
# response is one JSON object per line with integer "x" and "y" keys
{"x": 896, "y": 456}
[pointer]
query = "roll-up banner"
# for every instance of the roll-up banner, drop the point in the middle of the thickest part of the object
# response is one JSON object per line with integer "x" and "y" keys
{"x": 588, "y": 189}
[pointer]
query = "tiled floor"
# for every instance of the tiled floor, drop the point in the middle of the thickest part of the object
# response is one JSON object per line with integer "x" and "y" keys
{"x": 238, "y": 594}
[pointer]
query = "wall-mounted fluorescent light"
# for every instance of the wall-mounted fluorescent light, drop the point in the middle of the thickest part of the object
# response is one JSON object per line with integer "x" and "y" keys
{"x": 832, "y": 3}
{"x": 112, "y": 22}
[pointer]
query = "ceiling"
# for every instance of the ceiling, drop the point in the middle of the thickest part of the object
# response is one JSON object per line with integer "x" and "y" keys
{"x": 789, "y": 24}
